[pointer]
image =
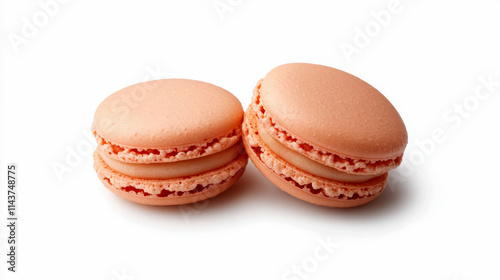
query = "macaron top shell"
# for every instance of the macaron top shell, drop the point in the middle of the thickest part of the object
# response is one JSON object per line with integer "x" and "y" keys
{"x": 333, "y": 110}
{"x": 167, "y": 113}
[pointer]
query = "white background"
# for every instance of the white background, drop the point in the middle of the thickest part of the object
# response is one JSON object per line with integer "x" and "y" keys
{"x": 438, "y": 218}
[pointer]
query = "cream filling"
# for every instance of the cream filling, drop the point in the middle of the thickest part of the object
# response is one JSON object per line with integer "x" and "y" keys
{"x": 176, "y": 169}
{"x": 309, "y": 165}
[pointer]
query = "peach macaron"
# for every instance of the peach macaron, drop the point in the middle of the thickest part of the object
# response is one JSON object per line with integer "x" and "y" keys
{"x": 323, "y": 135}
{"x": 169, "y": 142}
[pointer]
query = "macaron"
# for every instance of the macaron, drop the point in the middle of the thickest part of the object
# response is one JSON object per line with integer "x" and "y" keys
{"x": 323, "y": 135}
{"x": 169, "y": 142}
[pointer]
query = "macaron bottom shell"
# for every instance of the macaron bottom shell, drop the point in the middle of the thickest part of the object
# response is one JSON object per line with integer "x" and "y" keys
{"x": 175, "y": 191}
{"x": 279, "y": 172}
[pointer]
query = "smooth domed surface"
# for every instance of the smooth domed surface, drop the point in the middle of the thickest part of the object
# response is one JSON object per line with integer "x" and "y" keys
{"x": 333, "y": 110}
{"x": 167, "y": 113}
